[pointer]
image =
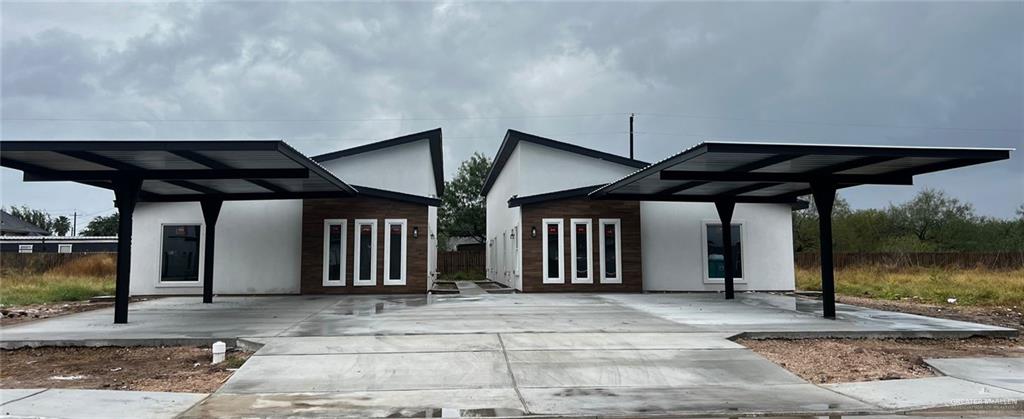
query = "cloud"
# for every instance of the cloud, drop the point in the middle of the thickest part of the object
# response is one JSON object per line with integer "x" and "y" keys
{"x": 879, "y": 73}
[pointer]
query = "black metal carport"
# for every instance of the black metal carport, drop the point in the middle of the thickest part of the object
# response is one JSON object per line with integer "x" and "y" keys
{"x": 208, "y": 172}
{"x": 727, "y": 173}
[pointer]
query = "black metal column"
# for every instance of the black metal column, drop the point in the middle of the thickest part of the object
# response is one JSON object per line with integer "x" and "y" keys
{"x": 725, "y": 209}
{"x": 824, "y": 197}
{"x": 211, "y": 210}
{"x": 126, "y": 195}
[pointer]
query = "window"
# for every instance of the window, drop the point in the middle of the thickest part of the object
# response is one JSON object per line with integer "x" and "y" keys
{"x": 611, "y": 251}
{"x": 394, "y": 252}
{"x": 554, "y": 248}
{"x": 64, "y": 248}
{"x": 714, "y": 251}
{"x": 365, "y": 270}
{"x": 180, "y": 254}
{"x": 335, "y": 235}
{"x": 24, "y": 248}
{"x": 582, "y": 256}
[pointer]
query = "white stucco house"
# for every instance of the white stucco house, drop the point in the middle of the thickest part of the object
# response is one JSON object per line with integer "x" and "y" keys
{"x": 545, "y": 234}
{"x": 383, "y": 240}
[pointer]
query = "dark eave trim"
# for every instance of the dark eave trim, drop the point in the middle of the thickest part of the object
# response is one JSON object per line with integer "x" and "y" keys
{"x": 517, "y": 201}
{"x": 398, "y": 196}
{"x": 436, "y": 154}
{"x": 696, "y": 198}
{"x": 513, "y": 137}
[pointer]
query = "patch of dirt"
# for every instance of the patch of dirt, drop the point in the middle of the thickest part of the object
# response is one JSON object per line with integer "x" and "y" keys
{"x": 825, "y": 361}
{"x": 1011, "y": 317}
{"x": 10, "y": 316}
{"x": 166, "y": 368}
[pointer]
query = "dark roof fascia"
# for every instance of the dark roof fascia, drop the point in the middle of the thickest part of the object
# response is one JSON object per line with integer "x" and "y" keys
{"x": 436, "y": 155}
{"x": 513, "y": 137}
{"x": 131, "y": 145}
{"x": 399, "y": 196}
{"x": 517, "y": 201}
{"x": 862, "y": 150}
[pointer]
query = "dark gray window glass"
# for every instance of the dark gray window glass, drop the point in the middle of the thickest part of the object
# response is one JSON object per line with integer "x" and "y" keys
{"x": 553, "y": 257}
{"x": 716, "y": 252}
{"x": 180, "y": 254}
{"x": 395, "y": 258}
{"x": 365, "y": 251}
{"x": 334, "y": 255}
{"x": 610, "y": 264}
{"x": 582, "y": 247}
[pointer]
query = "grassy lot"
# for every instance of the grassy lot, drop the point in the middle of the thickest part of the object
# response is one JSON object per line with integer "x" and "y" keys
{"x": 979, "y": 287}
{"x": 79, "y": 279}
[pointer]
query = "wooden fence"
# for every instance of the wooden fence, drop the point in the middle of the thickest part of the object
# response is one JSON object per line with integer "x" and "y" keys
{"x": 990, "y": 260}
{"x": 471, "y": 260}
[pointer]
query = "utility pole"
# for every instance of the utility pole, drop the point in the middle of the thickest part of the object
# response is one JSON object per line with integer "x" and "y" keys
{"x": 74, "y": 224}
{"x": 631, "y": 115}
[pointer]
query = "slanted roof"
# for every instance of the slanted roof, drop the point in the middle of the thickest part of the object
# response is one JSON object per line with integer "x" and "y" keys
{"x": 513, "y": 137}
{"x": 518, "y": 201}
{"x": 179, "y": 170}
{"x": 432, "y": 136}
{"x": 9, "y": 224}
{"x": 776, "y": 172}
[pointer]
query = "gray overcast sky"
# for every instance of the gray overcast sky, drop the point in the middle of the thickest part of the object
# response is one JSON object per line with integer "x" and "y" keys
{"x": 326, "y": 76}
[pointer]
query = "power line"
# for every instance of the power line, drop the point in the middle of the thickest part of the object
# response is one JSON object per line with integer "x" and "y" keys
{"x": 829, "y": 123}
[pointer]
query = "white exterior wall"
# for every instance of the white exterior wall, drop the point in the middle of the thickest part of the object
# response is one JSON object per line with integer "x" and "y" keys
{"x": 674, "y": 255}
{"x": 502, "y": 264}
{"x": 257, "y": 247}
{"x": 404, "y": 168}
{"x": 544, "y": 169}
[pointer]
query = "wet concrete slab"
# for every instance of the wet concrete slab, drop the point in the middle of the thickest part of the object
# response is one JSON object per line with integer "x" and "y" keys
{"x": 8, "y": 395}
{"x": 927, "y": 393}
{"x": 370, "y": 372}
{"x": 1007, "y": 373}
{"x": 610, "y": 341}
{"x": 377, "y": 344}
{"x": 644, "y": 368}
{"x": 73, "y": 404}
{"x": 422, "y": 403}
{"x": 709, "y": 400}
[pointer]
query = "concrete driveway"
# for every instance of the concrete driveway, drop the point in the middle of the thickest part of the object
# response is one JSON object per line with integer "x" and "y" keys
{"x": 564, "y": 354}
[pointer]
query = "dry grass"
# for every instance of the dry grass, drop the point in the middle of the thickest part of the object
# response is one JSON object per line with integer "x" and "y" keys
{"x": 76, "y": 280}
{"x": 97, "y": 265}
{"x": 980, "y": 287}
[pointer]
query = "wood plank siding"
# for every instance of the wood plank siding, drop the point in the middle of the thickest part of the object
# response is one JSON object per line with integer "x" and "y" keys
{"x": 315, "y": 211}
{"x": 532, "y": 253}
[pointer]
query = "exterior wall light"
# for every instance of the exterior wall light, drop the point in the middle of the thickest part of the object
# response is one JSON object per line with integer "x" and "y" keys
{"x": 533, "y": 232}
{"x": 415, "y": 232}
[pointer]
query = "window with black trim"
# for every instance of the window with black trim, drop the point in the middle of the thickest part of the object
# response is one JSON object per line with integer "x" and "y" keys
{"x": 180, "y": 253}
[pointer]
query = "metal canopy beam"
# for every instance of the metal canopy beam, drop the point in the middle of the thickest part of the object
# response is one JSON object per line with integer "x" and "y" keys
{"x": 162, "y": 174}
{"x": 696, "y": 198}
{"x": 214, "y": 164}
{"x": 211, "y": 210}
{"x": 727, "y": 176}
{"x": 725, "y": 209}
{"x": 119, "y": 165}
{"x": 126, "y": 194}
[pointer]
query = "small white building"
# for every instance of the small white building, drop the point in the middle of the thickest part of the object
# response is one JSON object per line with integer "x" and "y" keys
{"x": 545, "y": 234}
{"x": 383, "y": 240}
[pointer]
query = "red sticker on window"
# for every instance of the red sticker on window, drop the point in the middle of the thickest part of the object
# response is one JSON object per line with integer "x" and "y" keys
{"x": 396, "y": 229}
{"x": 552, "y": 230}
{"x": 365, "y": 229}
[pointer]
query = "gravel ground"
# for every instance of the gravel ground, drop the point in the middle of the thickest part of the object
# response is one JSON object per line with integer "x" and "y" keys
{"x": 170, "y": 368}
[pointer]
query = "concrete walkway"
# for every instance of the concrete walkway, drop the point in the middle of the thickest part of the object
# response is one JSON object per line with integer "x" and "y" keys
{"x": 514, "y": 374}
{"x": 92, "y": 404}
{"x": 506, "y": 355}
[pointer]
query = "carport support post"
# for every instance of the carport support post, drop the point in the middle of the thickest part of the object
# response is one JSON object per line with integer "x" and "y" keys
{"x": 211, "y": 209}
{"x": 126, "y": 195}
{"x": 824, "y": 197}
{"x": 725, "y": 209}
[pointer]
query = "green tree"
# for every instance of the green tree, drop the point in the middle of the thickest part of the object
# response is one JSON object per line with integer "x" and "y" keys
{"x": 930, "y": 216}
{"x": 102, "y": 226}
{"x": 61, "y": 225}
{"x": 39, "y": 218}
{"x": 462, "y": 212}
